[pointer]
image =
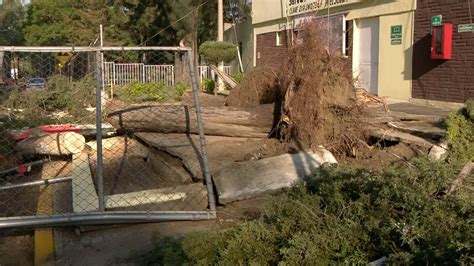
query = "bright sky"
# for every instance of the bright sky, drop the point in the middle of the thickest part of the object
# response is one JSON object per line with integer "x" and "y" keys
{"x": 24, "y": 2}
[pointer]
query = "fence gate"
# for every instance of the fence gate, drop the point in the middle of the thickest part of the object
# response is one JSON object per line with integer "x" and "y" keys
{"x": 83, "y": 137}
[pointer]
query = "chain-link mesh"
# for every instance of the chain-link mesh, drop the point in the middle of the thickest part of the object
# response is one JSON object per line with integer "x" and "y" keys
{"x": 144, "y": 158}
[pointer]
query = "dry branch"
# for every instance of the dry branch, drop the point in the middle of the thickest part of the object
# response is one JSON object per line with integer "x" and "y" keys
{"x": 465, "y": 172}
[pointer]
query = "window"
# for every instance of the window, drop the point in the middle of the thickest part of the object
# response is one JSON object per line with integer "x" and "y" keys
{"x": 332, "y": 29}
{"x": 279, "y": 41}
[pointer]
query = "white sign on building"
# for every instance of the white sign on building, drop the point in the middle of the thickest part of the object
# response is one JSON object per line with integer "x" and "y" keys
{"x": 296, "y": 7}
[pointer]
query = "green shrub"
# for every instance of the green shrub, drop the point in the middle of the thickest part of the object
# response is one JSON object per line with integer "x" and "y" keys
{"x": 180, "y": 88}
{"x": 209, "y": 85}
{"x": 238, "y": 76}
{"x": 470, "y": 109}
{"x": 138, "y": 91}
{"x": 460, "y": 138}
{"x": 156, "y": 91}
{"x": 215, "y": 52}
{"x": 349, "y": 216}
{"x": 167, "y": 251}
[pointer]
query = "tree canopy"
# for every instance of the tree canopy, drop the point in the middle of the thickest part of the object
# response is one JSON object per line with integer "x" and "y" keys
{"x": 72, "y": 22}
{"x": 12, "y": 16}
{"x": 126, "y": 22}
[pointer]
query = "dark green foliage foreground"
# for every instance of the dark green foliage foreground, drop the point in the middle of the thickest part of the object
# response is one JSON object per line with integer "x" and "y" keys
{"x": 342, "y": 215}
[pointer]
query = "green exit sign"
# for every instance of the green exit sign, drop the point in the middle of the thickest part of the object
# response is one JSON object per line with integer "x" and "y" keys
{"x": 396, "y": 31}
{"x": 436, "y": 20}
{"x": 396, "y": 34}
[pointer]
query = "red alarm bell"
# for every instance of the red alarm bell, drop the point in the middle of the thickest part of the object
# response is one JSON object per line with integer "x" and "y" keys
{"x": 442, "y": 41}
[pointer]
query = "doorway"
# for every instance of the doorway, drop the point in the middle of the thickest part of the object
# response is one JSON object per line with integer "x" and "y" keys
{"x": 368, "y": 54}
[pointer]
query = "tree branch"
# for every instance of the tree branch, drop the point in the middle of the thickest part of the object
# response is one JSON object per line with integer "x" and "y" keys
{"x": 465, "y": 172}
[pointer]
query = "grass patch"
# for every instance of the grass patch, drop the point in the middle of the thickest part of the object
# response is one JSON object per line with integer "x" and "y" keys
{"x": 155, "y": 91}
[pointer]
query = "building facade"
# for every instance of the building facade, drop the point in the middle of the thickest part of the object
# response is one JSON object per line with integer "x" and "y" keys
{"x": 444, "y": 80}
{"x": 387, "y": 42}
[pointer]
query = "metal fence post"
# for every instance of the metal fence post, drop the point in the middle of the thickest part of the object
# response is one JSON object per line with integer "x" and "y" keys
{"x": 202, "y": 138}
{"x": 98, "y": 120}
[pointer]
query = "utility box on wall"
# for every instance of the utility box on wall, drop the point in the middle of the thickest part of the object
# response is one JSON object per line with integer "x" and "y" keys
{"x": 442, "y": 41}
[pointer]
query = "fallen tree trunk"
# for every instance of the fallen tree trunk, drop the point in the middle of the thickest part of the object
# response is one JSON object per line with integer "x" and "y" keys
{"x": 253, "y": 122}
{"x": 53, "y": 144}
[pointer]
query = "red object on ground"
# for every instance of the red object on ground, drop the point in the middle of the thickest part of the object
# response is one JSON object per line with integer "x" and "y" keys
{"x": 59, "y": 128}
{"x": 45, "y": 129}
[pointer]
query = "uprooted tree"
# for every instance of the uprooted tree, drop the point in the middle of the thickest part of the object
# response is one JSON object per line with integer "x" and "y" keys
{"x": 314, "y": 95}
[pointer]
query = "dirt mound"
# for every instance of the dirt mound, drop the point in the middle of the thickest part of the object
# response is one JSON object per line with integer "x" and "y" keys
{"x": 314, "y": 96}
{"x": 260, "y": 86}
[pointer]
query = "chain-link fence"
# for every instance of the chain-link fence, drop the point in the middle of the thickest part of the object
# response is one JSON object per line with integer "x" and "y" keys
{"x": 98, "y": 135}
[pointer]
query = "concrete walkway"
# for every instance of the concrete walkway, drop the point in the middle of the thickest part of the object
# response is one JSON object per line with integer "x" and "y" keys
{"x": 415, "y": 109}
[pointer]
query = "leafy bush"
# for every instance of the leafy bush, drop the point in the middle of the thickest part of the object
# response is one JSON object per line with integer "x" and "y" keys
{"x": 156, "y": 91}
{"x": 470, "y": 109}
{"x": 215, "y": 52}
{"x": 238, "y": 76}
{"x": 460, "y": 137}
{"x": 348, "y": 216}
{"x": 180, "y": 89}
{"x": 168, "y": 252}
{"x": 209, "y": 85}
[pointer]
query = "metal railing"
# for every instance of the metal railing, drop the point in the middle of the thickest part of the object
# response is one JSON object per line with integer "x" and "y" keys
{"x": 206, "y": 72}
{"x": 120, "y": 74}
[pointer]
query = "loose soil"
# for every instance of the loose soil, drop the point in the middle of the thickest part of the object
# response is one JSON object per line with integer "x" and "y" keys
{"x": 16, "y": 248}
{"x": 379, "y": 158}
{"x": 205, "y": 99}
{"x": 129, "y": 166}
{"x": 260, "y": 86}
